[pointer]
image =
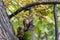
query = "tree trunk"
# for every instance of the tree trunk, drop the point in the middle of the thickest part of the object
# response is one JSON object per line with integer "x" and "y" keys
{"x": 6, "y": 31}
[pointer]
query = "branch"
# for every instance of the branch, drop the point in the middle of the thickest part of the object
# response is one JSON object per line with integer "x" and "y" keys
{"x": 30, "y": 5}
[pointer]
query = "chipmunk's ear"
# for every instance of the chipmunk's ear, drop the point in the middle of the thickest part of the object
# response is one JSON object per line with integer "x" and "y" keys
{"x": 26, "y": 23}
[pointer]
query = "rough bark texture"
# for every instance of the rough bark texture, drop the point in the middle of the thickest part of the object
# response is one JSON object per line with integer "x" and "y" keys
{"x": 6, "y": 31}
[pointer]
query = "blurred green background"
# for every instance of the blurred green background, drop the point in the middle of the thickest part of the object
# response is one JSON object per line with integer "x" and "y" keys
{"x": 42, "y": 15}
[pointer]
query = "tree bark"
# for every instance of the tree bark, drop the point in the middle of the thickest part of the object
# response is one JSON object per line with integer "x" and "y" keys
{"x": 6, "y": 30}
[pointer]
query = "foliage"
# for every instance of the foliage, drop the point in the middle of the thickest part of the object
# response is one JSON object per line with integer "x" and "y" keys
{"x": 41, "y": 14}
